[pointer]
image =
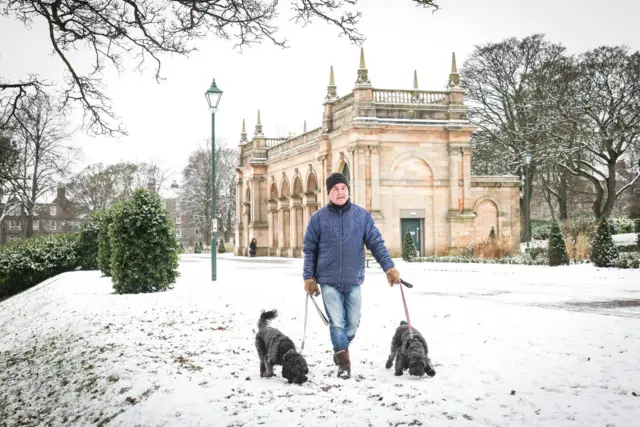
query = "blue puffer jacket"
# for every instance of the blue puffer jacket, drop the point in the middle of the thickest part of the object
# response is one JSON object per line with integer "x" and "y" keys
{"x": 334, "y": 245}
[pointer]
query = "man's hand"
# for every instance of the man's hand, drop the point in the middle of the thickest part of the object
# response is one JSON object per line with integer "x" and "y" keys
{"x": 311, "y": 287}
{"x": 393, "y": 276}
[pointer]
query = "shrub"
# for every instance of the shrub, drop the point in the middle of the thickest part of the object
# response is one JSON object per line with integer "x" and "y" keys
{"x": 104, "y": 242}
{"x": 88, "y": 241}
{"x": 628, "y": 260}
{"x": 25, "y": 263}
{"x": 144, "y": 250}
{"x": 492, "y": 234}
{"x": 540, "y": 229}
{"x": 534, "y": 253}
{"x": 579, "y": 225}
{"x": 198, "y": 248}
{"x": 221, "y": 247}
{"x": 603, "y": 251}
{"x": 557, "y": 248}
{"x": 622, "y": 225}
{"x": 180, "y": 247}
{"x": 496, "y": 248}
{"x": 409, "y": 252}
{"x": 578, "y": 248}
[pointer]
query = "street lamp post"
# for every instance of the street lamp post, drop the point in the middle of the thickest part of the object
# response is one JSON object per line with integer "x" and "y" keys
{"x": 213, "y": 95}
{"x": 527, "y": 197}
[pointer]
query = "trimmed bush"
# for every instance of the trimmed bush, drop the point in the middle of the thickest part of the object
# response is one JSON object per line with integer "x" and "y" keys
{"x": 557, "y": 248}
{"x": 622, "y": 225}
{"x": 628, "y": 260}
{"x": 540, "y": 229}
{"x": 409, "y": 252}
{"x": 198, "y": 248}
{"x": 221, "y": 247}
{"x": 104, "y": 242}
{"x": 88, "y": 241}
{"x": 26, "y": 263}
{"x": 144, "y": 250}
{"x": 603, "y": 251}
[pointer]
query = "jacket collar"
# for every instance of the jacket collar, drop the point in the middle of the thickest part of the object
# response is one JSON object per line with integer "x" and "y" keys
{"x": 344, "y": 208}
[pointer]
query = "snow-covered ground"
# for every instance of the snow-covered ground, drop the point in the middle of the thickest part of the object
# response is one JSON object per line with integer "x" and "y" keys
{"x": 512, "y": 346}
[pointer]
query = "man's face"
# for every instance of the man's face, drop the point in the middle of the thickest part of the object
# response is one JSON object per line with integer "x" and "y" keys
{"x": 339, "y": 194}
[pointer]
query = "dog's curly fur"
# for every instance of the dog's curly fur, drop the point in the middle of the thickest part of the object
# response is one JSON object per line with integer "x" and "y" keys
{"x": 275, "y": 348}
{"x": 410, "y": 352}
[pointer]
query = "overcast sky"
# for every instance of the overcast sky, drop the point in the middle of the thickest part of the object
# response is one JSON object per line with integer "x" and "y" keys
{"x": 167, "y": 120}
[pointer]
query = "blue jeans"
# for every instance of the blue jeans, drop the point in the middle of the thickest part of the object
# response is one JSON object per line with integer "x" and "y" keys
{"x": 342, "y": 304}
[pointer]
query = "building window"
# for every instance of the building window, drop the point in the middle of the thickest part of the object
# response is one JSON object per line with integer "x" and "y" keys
{"x": 14, "y": 211}
{"x": 36, "y": 224}
{"x": 14, "y": 238}
{"x": 14, "y": 225}
{"x": 53, "y": 225}
{"x": 53, "y": 210}
{"x": 178, "y": 220}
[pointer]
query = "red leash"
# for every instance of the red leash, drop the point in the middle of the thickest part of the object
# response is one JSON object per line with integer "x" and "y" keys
{"x": 406, "y": 310}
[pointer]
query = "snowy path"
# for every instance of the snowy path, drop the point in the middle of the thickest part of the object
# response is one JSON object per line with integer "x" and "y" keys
{"x": 74, "y": 354}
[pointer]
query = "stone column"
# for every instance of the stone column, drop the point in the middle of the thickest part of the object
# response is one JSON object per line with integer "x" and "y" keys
{"x": 375, "y": 179}
{"x": 468, "y": 198}
{"x": 281, "y": 209}
{"x": 239, "y": 238}
{"x": 367, "y": 177}
{"x": 293, "y": 225}
{"x": 247, "y": 232}
{"x": 454, "y": 155}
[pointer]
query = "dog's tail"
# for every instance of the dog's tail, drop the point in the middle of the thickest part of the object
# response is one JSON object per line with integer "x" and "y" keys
{"x": 266, "y": 317}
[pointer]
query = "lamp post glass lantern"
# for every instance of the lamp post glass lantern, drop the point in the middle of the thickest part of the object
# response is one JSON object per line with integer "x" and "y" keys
{"x": 213, "y": 95}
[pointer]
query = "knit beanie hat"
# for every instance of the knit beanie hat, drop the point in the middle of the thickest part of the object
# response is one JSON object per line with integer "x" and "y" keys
{"x": 336, "y": 178}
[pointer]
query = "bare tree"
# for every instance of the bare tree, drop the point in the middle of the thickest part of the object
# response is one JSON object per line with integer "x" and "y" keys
{"x": 600, "y": 104}
{"x": 195, "y": 194}
{"x": 115, "y": 30}
{"x": 97, "y": 187}
{"x": 43, "y": 156}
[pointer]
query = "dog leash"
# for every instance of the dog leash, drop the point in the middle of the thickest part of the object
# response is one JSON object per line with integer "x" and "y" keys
{"x": 306, "y": 316}
{"x": 404, "y": 301}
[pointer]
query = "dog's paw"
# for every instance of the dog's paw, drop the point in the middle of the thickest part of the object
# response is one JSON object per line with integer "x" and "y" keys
{"x": 388, "y": 365}
{"x": 398, "y": 374}
{"x": 430, "y": 372}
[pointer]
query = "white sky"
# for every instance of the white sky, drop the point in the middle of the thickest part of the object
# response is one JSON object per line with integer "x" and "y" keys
{"x": 167, "y": 120}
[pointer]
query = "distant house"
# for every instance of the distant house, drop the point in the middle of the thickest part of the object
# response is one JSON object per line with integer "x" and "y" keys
{"x": 55, "y": 217}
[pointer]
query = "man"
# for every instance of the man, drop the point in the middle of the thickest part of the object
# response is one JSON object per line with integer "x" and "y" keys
{"x": 334, "y": 259}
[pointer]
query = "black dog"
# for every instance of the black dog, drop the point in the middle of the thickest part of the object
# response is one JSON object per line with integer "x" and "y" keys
{"x": 275, "y": 348}
{"x": 410, "y": 352}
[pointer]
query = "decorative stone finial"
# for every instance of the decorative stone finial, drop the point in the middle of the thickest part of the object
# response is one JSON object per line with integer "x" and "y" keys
{"x": 332, "y": 92}
{"x": 304, "y": 129}
{"x": 415, "y": 79}
{"x": 258, "y": 125}
{"x": 243, "y": 134}
{"x": 454, "y": 77}
{"x": 363, "y": 73}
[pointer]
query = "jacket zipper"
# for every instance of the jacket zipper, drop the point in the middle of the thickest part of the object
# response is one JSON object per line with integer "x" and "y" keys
{"x": 341, "y": 247}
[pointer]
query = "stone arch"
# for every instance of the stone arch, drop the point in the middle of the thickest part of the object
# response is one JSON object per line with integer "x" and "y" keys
{"x": 297, "y": 185}
{"x": 414, "y": 159}
{"x": 284, "y": 187}
{"x": 273, "y": 191}
{"x": 311, "y": 181}
{"x": 487, "y": 211}
{"x": 344, "y": 168}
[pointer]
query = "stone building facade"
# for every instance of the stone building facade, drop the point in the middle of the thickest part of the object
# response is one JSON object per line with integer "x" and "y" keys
{"x": 407, "y": 155}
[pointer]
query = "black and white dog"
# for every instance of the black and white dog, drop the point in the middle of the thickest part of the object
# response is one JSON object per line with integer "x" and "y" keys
{"x": 275, "y": 348}
{"x": 410, "y": 352}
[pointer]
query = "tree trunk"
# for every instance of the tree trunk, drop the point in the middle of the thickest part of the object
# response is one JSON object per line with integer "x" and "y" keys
{"x": 563, "y": 193}
{"x": 610, "y": 201}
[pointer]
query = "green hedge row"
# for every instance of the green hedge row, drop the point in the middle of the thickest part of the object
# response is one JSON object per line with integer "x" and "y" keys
{"x": 134, "y": 242}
